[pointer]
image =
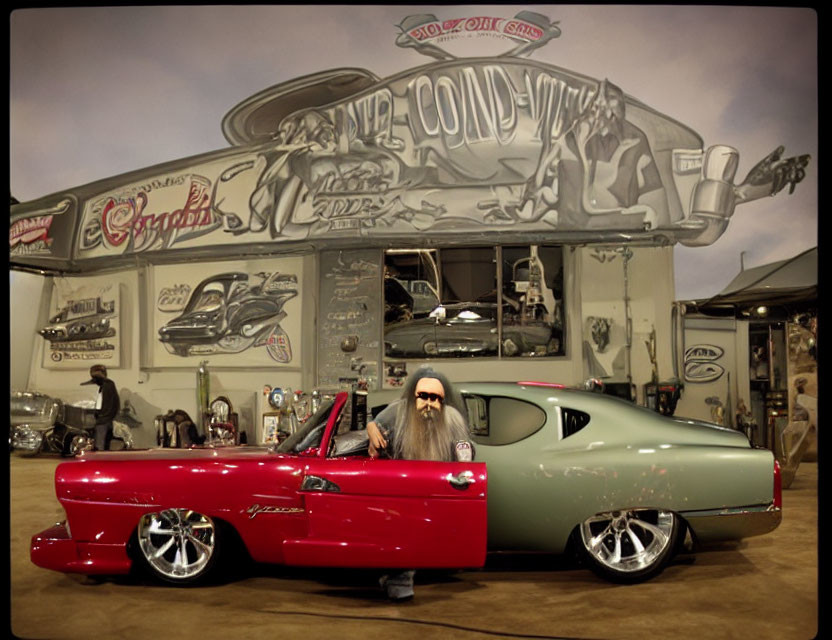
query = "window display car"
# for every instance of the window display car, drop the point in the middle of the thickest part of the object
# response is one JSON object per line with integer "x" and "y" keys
{"x": 468, "y": 328}
{"x": 564, "y": 467}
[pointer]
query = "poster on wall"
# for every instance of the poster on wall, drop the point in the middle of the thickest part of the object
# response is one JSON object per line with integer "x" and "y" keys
{"x": 239, "y": 314}
{"x": 83, "y": 326}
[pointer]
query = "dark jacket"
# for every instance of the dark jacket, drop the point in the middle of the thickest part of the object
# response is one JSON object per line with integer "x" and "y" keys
{"x": 110, "y": 404}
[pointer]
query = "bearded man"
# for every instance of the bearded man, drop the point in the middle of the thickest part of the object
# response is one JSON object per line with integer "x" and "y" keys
{"x": 426, "y": 423}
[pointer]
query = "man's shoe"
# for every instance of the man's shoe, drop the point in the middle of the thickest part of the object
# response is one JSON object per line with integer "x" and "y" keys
{"x": 396, "y": 592}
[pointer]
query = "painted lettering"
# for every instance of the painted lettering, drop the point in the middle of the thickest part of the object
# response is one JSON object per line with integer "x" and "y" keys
{"x": 523, "y": 30}
{"x": 478, "y": 105}
{"x": 482, "y": 23}
{"x": 553, "y": 104}
{"x": 30, "y": 230}
{"x": 370, "y": 116}
{"x": 126, "y": 218}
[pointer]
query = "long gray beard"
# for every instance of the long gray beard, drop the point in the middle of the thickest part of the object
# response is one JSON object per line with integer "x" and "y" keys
{"x": 429, "y": 434}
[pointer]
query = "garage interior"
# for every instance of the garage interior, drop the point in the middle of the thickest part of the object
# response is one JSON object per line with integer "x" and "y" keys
{"x": 764, "y": 587}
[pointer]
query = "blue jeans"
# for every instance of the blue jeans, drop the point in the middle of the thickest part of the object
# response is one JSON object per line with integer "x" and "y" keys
{"x": 103, "y": 435}
{"x": 399, "y": 584}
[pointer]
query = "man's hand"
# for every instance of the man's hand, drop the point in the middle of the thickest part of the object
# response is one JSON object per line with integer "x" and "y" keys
{"x": 377, "y": 440}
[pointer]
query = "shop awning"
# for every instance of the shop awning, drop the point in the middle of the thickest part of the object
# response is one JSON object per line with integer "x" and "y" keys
{"x": 785, "y": 282}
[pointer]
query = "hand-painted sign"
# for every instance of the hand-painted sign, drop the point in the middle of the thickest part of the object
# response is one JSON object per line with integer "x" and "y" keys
{"x": 452, "y": 148}
{"x": 30, "y": 235}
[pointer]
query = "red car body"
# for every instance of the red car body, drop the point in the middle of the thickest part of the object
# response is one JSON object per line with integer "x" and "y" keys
{"x": 303, "y": 509}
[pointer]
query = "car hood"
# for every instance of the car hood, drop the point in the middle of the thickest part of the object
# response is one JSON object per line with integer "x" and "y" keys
{"x": 193, "y": 319}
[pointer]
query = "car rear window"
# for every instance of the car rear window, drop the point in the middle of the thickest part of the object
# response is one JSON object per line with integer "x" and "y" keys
{"x": 573, "y": 421}
{"x": 498, "y": 420}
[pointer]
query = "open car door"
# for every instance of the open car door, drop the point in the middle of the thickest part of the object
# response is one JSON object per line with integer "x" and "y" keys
{"x": 366, "y": 512}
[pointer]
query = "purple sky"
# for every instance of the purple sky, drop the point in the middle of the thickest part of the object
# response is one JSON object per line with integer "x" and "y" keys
{"x": 96, "y": 92}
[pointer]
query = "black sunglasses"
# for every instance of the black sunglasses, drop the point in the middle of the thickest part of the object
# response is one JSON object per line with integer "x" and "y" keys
{"x": 433, "y": 397}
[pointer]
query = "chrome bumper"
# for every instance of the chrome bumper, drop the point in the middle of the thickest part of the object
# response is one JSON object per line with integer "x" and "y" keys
{"x": 733, "y": 523}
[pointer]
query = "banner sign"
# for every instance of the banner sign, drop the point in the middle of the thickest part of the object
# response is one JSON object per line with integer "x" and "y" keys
{"x": 516, "y": 28}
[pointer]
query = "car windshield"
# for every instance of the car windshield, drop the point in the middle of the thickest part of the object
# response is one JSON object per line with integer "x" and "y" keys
{"x": 307, "y": 436}
{"x": 209, "y": 300}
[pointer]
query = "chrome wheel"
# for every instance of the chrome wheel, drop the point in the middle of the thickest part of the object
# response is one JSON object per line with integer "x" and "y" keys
{"x": 634, "y": 543}
{"x": 79, "y": 443}
{"x": 179, "y": 545}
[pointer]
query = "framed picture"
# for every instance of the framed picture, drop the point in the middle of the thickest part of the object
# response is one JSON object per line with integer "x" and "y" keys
{"x": 271, "y": 421}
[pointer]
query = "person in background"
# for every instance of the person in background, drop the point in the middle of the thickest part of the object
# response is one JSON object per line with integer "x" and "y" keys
{"x": 188, "y": 435}
{"x": 106, "y": 406}
{"x": 426, "y": 423}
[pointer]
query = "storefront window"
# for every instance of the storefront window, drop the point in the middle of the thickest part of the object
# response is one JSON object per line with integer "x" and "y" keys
{"x": 457, "y": 302}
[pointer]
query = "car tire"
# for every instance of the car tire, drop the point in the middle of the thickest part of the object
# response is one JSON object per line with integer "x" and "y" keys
{"x": 75, "y": 444}
{"x": 629, "y": 545}
{"x": 179, "y": 546}
{"x": 510, "y": 347}
{"x": 553, "y": 346}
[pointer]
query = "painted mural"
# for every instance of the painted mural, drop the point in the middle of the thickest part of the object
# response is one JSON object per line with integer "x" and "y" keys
{"x": 83, "y": 327}
{"x": 458, "y": 146}
{"x": 249, "y": 310}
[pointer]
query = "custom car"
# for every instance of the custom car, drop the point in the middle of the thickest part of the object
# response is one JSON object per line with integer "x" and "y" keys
{"x": 555, "y": 469}
{"x": 43, "y": 424}
{"x": 177, "y": 512}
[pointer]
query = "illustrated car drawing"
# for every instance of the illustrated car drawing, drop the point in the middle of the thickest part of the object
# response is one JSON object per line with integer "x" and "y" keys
{"x": 81, "y": 320}
{"x": 227, "y": 314}
{"x": 554, "y": 468}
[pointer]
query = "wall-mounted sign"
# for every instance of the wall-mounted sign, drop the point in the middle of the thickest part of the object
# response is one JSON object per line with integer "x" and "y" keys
{"x": 528, "y": 29}
{"x": 84, "y": 328}
{"x": 30, "y": 235}
{"x": 242, "y": 314}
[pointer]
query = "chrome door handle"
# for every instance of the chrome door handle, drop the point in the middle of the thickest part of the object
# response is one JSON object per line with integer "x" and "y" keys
{"x": 462, "y": 479}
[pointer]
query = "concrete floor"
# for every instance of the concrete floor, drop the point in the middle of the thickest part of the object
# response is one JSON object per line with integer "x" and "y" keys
{"x": 765, "y": 587}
